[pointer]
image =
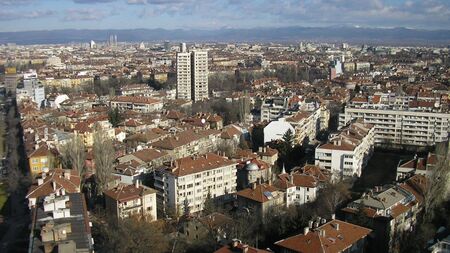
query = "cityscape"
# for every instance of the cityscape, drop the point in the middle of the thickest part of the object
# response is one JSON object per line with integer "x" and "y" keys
{"x": 229, "y": 126}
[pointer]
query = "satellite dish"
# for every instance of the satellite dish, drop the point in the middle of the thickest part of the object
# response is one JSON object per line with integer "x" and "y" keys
{"x": 203, "y": 121}
{"x": 138, "y": 148}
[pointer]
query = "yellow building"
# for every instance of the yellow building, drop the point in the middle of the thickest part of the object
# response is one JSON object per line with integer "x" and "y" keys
{"x": 39, "y": 159}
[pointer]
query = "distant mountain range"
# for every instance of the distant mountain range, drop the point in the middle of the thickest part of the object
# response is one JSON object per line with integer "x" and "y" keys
{"x": 381, "y": 36}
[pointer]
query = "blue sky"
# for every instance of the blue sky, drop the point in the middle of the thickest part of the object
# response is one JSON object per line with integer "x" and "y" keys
{"x": 25, "y": 15}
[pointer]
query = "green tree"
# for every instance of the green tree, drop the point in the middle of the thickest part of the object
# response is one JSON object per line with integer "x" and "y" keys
{"x": 114, "y": 117}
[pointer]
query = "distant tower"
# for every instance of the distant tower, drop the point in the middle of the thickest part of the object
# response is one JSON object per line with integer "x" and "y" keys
{"x": 167, "y": 45}
{"x": 183, "y": 47}
{"x": 192, "y": 74}
{"x": 92, "y": 44}
{"x": 11, "y": 79}
{"x": 199, "y": 72}
{"x": 115, "y": 40}
{"x": 183, "y": 74}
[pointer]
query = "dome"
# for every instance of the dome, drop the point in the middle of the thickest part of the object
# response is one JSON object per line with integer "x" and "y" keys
{"x": 251, "y": 167}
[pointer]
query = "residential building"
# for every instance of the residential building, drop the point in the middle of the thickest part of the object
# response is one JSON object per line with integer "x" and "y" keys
{"x": 184, "y": 79}
{"x": 236, "y": 246}
{"x": 41, "y": 159}
{"x": 56, "y": 182}
{"x": 189, "y": 142}
{"x": 273, "y": 108}
{"x": 192, "y": 75}
{"x": 400, "y": 120}
{"x": 417, "y": 165}
{"x": 216, "y": 224}
{"x": 347, "y": 153}
{"x": 389, "y": 211}
{"x": 11, "y": 79}
{"x": 124, "y": 201}
{"x": 61, "y": 224}
{"x": 299, "y": 188}
{"x": 184, "y": 184}
{"x": 138, "y": 104}
{"x": 199, "y": 72}
{"x": 260, "y": 199}
{"x": 335, "y": 236}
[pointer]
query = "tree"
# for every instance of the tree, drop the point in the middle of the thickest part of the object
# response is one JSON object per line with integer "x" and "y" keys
{"x": 114, "y": 117}
{"x": 133, "y": 234}
{"x": 331, "y": 196}
{"x": 257, "y": 137}
{"x": 104, "y": 156}
{"x": 209, "y": 206}
{"x": 436, "y": 191}
{"x": 74, "y": 154}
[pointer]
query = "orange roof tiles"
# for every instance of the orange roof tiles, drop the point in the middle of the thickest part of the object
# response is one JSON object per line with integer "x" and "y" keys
{"x": 332, "y": 237}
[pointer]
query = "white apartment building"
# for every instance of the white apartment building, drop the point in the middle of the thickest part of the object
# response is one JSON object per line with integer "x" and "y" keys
{"x": 192, "y": 75}
{"x": 199, "y": 70}
{"x": 136, "y": 103}
{"x": 273, "y": 108}
{"x": 184, "y": 75}
{"x": 187, "y": 182}
{"x": 401, "y": 120}
{"x": 299, "y": 188}
{"x": 346, "y": 154}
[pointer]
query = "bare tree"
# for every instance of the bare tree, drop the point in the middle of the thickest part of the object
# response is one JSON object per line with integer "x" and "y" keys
{"x": 436, "y": 190}
{"x": 74, "y": 154}
{"x": 331, "y": 196}
{"x": 104, "y": 156}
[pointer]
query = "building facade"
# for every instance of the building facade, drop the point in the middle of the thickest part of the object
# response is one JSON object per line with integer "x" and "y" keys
{"x": 346, "y": 154}
{"x": 185, "y": 184}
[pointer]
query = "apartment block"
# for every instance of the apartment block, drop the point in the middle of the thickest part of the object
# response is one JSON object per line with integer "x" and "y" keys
{"x": 346, "y": 154}
{"x": 184, "y": 185}
{"x": 199, "y": 71}
{"x": 134, "y": 199}
{"x": 273, "y": 108}
{"x": 184, "y": 75}
{"x": 390, "y": 211}
{"x": 138, "y": 104}
{"x": 192, "y": 75}
{"x": 400, "y": 120}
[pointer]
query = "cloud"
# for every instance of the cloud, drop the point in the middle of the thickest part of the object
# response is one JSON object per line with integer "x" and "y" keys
{"x": 6, "y": 15}
{"x": 15, "y": 2}
{"x": 84, "y": 14}
{"x": 92, "y": 1}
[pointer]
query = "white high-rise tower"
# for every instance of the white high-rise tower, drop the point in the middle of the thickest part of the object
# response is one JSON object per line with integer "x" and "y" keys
{"x": 199, "y": 63}
{"x": 192, "y": 74}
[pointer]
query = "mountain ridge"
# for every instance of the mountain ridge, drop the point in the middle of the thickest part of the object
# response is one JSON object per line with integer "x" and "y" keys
{"x": 393, "y": 36}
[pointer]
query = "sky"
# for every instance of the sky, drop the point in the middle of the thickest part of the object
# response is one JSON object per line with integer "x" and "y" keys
{"x": 29, "y": 15}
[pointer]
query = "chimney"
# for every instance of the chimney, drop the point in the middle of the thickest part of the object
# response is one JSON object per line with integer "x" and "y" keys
{"x": 336, "y": 226}
{"x": 244, "y": 248}
{"x": 260, "y": 149}
{"x": 67, "y": 174}
{"x": 333, "y": 216}
{"x": 254, "y": 185}
{"x": 44, "y": 175}
{"x": 137, "y": 183}
{"x": 322, "y": 233}
{"x": 305, "y": 230}
{"x": 235, "y": 243}
{"x": 54, "y": 185}
{"x": 291, "y": 178}
{"x": 40, "y": 181}
{"x": 310, "y": 224}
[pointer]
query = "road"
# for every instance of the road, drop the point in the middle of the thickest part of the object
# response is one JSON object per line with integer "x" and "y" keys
{"x": 17, "y": 220}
